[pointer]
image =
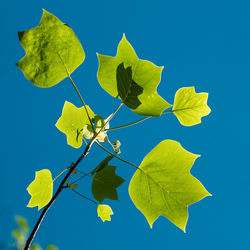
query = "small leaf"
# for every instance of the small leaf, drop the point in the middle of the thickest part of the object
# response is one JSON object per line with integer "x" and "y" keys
{"x": 51, "y": 247}
{"x": 67, "y": 183}
{"x": 73, "y": 186}
{"x": 145, "y": 75}
{"x": 72, "y": 121}
{"x": 22, "y": 223}
{"x": 116, "y": 146}
{"x": 41, "y": 189}
{"x": 190, "y": 106}
{"x": 105, "y": 183}
{"x": 104, "y": 212}
{"x": 36, "y": 246}
{"x": 164, "y": 186}
{"x": 52, "y": 52}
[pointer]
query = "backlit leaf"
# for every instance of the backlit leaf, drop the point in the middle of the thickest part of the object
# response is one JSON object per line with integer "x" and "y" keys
{"x": 144, "y": 73}
{"x": 104, "y": 212}
{"x": 164, "y": 186}
{"x": 105, "y": 183}
{"x": 72, "y": 121}
{"x": 190, "y": 106}
{"x": 52, "y": 51}
{"x": 41, "y": 189}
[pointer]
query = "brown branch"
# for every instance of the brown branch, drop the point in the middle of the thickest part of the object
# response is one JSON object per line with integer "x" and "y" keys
{"x": 58, "y": 191}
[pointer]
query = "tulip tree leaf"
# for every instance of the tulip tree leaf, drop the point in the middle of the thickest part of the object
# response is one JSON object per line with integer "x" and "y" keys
{"x": 105, "y": 183}
{"x": 128, "y": 90}
{"x": 41, "y": 189}
{"x": 72, "y": 121}
{"x": 164, "y": 186}
{"x": 144, "y": 73}
{"x": 104, "y": 212}
{"x": 190, "y": 106}
{"x": 52, "y": 52}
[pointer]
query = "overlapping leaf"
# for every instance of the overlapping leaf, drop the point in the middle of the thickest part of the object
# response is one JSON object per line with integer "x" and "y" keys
{"x": 190, "y": 106}
{"x": 104, "y": 212}
{"x": 145, "y": 75}
{"x": 41, "y": 189}
{"x": 105, "y": 181}
{"x": 72, "y": 121}
{"x": 164, "y": 186}
{"x": 52, "y": 51}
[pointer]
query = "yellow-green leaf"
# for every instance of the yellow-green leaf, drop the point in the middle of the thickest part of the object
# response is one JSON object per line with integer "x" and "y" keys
{"x": 104, "y": 212}
{"x": 41, "y": 189}
{"x": 52, "y": 51}
{"x": 190, "y": 106}
{"x": 164, "y": 186}
{"x": 72, "y": 121}
{"x": 145, "y": 75}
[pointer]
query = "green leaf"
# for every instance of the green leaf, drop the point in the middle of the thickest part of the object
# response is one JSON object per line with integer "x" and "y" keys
{"x": 164, "y": 186}
{"x": 73, "y": 186}
{"x": 72, "y": 121}
{"x": 116, "y": 146}
{"x": 51, "y": 247}
{"x": 190, "y": 106}
{"x": 52, "y": 51}
{"x": 35, "y": 246}
{"x": 105, "y": 183}
{"x": 22, "y": 223}
{"x": 128, "y": 90}
{"x": 41, "y": 189}
{"x": 144, "y": 73}
{"x": 104, "y": 212}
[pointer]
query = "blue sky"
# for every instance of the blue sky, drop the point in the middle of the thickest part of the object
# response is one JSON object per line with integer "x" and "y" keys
{"x": 201, "y": 43}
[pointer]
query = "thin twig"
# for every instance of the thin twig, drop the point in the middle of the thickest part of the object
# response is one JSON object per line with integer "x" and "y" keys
{"x": 83, "y": 196}
{"x": 84, "y": 105}
{"x": 133, "y": 165}
{"x": 133, "y": 123}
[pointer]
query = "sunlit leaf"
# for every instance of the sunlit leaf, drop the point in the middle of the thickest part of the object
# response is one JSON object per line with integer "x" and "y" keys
{"x": 104, "y": 212}
{"x": 105, "y": 182}
{"x": 190, "y": 106}
{"x": 144, "y": 73}
{"x": 164, "y": 186}
{"x": 41, "y": 189}
{"x": 52, "y": 51}
{"x": 72, "y": 121}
